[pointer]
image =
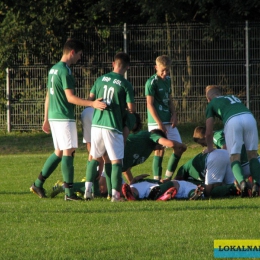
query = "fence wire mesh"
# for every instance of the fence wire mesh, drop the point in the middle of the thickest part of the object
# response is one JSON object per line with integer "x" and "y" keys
{"x": 198, "y": 60}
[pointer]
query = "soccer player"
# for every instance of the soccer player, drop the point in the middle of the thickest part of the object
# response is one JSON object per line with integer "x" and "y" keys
{"x": 240, "y": 128}
{"x": 153, "y": 190}
{"x": 161, "y": 113}
{"x": 210, "y": 169}
{"x": 107, "y": 126}
{"x": 138, "y": 148}
{"x": 59, "y": 119}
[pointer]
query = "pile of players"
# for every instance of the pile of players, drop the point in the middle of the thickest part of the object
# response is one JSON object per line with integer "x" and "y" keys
{"x": 111, "y": 115}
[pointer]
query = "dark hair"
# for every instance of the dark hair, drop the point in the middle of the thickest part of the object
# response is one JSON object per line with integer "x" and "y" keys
{"x": 159, "y": 132}
{"x": 138, "y": 123}
{"x": 73, "y": 44}
{"x": 122, "y": 58}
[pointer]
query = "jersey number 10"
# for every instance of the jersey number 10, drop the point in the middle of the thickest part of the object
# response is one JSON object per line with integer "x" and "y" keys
{"x": 108, "y": 94}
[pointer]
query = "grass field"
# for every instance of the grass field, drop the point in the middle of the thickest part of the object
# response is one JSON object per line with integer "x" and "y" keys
{"x": 33, "y": 228}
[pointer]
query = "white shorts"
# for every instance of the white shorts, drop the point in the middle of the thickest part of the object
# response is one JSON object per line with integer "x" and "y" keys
{"x": 86, "y": 120}
{"x": 246, "y": 168}
{"x": 64, "y": 135}
{"x": 218, "y": 168}
{"x": 172, "y": 133}
{"x": 184, "y": 189}
{"x": 241, "y": 130}
{"x": 103, "y": 140}
{"x": 144, "y": 188}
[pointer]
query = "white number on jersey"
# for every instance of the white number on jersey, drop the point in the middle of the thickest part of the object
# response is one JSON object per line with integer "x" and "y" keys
{"x": 233, "y": 99}
{"x": 108, "y": 95}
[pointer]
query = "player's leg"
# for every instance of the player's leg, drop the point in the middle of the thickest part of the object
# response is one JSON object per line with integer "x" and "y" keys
{"x": 216, "y": 164}
{"x": 174, "y": 135}
{"x": 51, "y": 163}
{"x": 157, "y": 159}
{"x": 114, "y": 143}
{"x": 97, "y": 150}
{"x": 233, "y": 131}
{"x": 251, "y": 144}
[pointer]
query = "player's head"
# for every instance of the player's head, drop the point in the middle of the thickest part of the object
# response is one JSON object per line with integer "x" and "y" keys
{"x": 212, "y": 91}
{"x": 199, "y": 135}
{"x": 159, "y": 132}
{"x": 121, "y": 60}
{"x": 74, "y": 49}
{"x": 163, "y": 64}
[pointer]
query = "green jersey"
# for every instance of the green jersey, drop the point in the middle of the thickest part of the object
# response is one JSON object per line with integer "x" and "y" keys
{"x": 219, "y": 139}
{"x": 59, "y": 79}
{"x": 116, "y": 91}
{"x": 160, "y": 90}
{"x": 138, "y": 148}
{"x": 194, "y": 169}
{"x": 225, "y": 107}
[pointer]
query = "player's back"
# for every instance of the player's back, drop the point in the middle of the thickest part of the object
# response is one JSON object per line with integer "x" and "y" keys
{"x": 116, "y": 91}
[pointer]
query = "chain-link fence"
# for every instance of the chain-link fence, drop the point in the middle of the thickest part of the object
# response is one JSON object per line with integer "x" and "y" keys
{"x": 231, "y": 60}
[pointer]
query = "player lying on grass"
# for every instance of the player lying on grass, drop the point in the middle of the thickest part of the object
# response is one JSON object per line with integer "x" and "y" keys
{"x": 154, "y": 190}
{"x": 138, "y": 148}
{"x": 150, "y": 189}
{"x": 210, "y": 169}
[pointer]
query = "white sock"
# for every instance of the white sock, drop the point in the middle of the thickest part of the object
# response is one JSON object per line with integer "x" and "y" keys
{"x": 115, "y": 194}
{"x": 88, "y": 186}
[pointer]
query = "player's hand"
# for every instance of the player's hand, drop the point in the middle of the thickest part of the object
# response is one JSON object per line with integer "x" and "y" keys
{"x": 46, "y": 127}
{"x": 99, "y": 104}
{"x": 162, "y": 127}
{"x": 174, "y": 120}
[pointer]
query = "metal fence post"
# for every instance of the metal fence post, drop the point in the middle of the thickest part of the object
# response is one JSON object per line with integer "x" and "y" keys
{"x": 125, "y": 43}
{"x": 8, "y": 104}
{"x": 247, "y": 66}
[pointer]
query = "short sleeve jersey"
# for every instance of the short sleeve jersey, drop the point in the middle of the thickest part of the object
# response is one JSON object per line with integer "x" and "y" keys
{"x": 138, "y": 148}
{"x": 116, "y": 91}
{"x": 160, "y": 90}
{"x": 225, "y": 107}
{"x": 219, "y": 139}
{"x": 59, "y": 79}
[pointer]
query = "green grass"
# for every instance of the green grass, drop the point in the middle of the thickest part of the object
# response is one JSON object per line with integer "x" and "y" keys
{"x": 33, "y": 228}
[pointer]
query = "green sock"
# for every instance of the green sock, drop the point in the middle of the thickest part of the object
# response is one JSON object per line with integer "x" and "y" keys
{"x": 223, "y": 191}
{"x": 116, "y": 176}
{"x": 91, "y": 171}
{"x": 67, "y": 169}
{"x": 172, "y": 165}
{"x": 157, "y": 167}
{"x": 237, "y": 171}
{"x": 108, "y": 171}
{"x": 48, "y": 168}
{"x": 254, "y": 166}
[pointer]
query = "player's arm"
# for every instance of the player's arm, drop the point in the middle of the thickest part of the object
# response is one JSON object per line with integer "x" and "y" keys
{"x": 209, "y": 134}
{"x": 46, "y": 125}
{"x": 179, "y": 148}
{"x": 153, "y": 112}
{"x": 174, "y": 120}
{"x": 128, "y": 175}
{"x": 131, "y": 107}
{"x": 98, "y": 104}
